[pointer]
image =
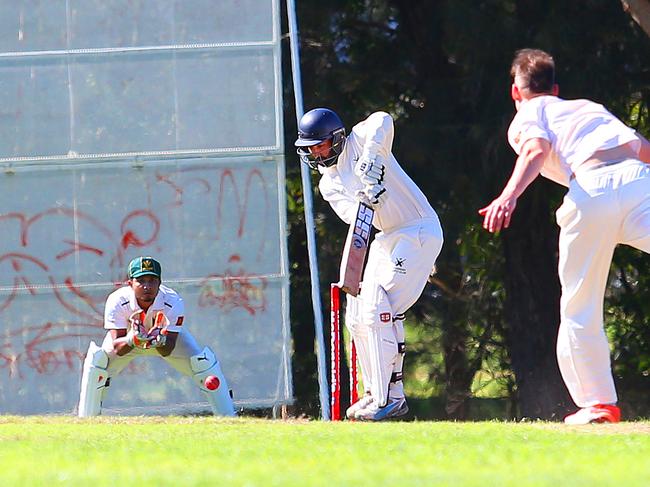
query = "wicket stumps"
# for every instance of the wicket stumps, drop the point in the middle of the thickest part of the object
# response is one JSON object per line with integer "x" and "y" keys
{"x": 336, "y": 348}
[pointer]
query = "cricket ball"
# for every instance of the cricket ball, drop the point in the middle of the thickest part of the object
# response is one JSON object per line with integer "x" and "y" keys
{"x": 211, "y": 382}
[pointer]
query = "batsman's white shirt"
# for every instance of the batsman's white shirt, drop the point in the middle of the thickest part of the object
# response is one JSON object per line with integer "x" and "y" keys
{"x": 405, "y": 203}
{"x": 121, "y": 304}
{"x": 606, "y": 204}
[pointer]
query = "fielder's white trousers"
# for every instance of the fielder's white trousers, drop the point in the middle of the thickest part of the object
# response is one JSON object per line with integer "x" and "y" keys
{"x": 604, "y": 207}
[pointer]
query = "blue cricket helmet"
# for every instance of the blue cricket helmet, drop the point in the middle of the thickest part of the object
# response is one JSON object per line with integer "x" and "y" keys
{"x": 315, "y": 127}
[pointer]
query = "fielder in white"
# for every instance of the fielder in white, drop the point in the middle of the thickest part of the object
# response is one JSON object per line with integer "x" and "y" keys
{"x": 361, "y": 167}
{"x": 604, "y": 163}
{"x": 146, "y": 318}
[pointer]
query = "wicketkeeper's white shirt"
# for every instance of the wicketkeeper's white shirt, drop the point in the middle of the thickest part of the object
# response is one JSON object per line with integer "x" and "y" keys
{"x": 405, "y": 203}
{"x": 121, "y": 304}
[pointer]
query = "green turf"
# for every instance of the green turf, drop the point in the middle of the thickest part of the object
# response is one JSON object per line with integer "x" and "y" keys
{"x": 56, "y": 450}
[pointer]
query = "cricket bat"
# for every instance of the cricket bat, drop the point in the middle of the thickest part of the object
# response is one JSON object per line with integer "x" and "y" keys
{"x": 355, "y": 250}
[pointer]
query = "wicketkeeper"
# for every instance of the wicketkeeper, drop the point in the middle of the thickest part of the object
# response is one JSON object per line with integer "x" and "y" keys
{"x": 357, "y": 168}
{"x": 146, "y": 318}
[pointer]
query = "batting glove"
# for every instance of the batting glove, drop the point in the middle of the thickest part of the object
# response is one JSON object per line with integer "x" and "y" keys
{"x": 370, "y": 171}
{"x": 373, "y": 196}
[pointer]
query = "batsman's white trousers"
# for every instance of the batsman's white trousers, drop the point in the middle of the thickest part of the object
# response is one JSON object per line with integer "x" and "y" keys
{"x": 603, "y": 207}
{"x": 400, "y": 261}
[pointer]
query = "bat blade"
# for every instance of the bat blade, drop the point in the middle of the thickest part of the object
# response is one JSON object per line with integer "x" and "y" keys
{"x": 355, "y": 250}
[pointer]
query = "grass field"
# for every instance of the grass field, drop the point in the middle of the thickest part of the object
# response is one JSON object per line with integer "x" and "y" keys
{"x": 179, "y": 451}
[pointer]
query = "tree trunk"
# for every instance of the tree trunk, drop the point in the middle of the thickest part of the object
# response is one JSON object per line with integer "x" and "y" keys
{"x": 640, "y": 12}
{"x": 457, "y": 372}
{"x": 532, "y": 306}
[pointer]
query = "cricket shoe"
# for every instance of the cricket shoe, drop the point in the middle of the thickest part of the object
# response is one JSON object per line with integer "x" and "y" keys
{"x": 395, "y": 408}
{"x": 600, "y": 413}
{"x": 362, "y": 403}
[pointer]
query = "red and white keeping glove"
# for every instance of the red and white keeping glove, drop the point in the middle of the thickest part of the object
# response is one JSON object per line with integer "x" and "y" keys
{"x": 137, "y": 336}
{"x": 158, "y": 333}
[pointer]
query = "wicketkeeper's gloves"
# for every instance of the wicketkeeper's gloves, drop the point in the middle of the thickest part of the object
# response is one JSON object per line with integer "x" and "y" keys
{"x": 137, "y": 336}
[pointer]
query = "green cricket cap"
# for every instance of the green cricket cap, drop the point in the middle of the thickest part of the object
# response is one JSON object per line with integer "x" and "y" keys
{"x": 141, "y": 266}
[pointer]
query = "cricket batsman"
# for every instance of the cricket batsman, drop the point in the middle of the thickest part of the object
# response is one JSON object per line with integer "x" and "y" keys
{"x": 145, "y": 318}
{"x": 360, "y": 167}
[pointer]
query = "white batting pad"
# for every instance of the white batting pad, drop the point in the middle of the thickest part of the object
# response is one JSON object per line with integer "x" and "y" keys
{"x": 382, "y": 345}
{"x": 363, "y": 355}
{"x": 382, "y": 342}
{"x": 397, "y": 386}
{"x": 359, "y": 333}
{"x": 353, "y": 321}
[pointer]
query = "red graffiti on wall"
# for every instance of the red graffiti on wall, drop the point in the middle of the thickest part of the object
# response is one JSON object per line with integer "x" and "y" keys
{"x": 43, "y": 255}
{"x": 19, "y": 262}
{"x": 46, "y": 349}
{"x": 50, "y": 348}
{"x": 230, "y": 203}
{"x": 234, "y": 288}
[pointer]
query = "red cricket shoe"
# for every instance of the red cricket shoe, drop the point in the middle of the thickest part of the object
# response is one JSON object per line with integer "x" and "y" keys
{"x": 600, "y": 413}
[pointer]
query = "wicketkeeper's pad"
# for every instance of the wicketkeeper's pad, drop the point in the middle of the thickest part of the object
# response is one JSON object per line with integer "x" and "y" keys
{"x": 204, "y": 365}
{"x": 94, "y": 381}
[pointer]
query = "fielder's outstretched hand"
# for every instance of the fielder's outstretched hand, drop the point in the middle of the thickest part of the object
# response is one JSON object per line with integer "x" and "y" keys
{"x": 497, "y": 214}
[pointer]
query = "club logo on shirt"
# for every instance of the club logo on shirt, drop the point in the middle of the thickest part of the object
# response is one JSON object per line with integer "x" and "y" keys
{"x": 179, "y": 322}
{"x": 384, "y": 317}
{"x": 399, "y": 266}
